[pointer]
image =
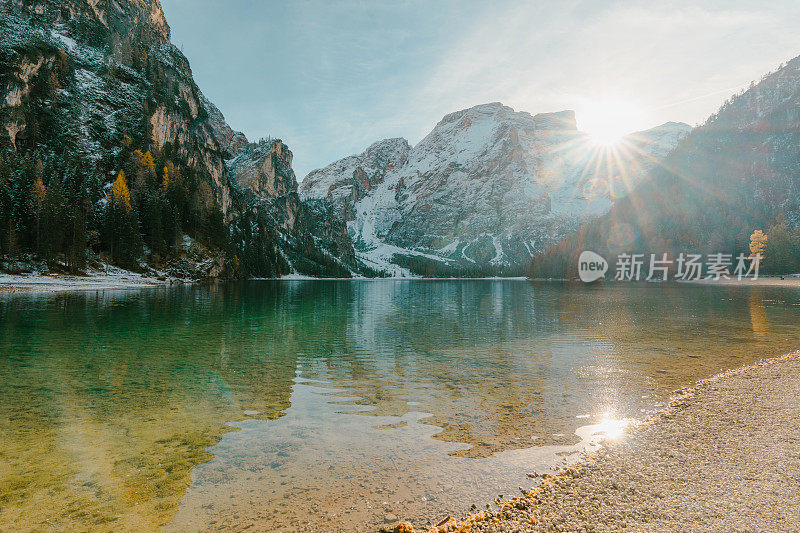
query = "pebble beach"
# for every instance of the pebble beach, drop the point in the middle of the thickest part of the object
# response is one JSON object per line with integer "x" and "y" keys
{"x": 723, "y": 456}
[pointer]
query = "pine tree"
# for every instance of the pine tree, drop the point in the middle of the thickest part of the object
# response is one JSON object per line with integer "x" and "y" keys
{"x": 5, "y": 205}
{"x": 23, "y": 219}
{"x": 783, "y": 249}
{"x": 121, "y": 227}
{"x": 75, "y": 208}
{"x": 53, "y": 222}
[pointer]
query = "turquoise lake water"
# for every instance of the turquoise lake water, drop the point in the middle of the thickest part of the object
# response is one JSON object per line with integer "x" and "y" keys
{"x": 339, "y": 405}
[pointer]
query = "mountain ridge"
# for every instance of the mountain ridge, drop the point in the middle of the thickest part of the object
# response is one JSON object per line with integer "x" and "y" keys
{"x": 404, "y": 204}
{"x": 734, "y": 174}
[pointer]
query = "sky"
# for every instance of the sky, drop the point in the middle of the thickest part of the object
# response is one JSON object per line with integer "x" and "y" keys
{"x": 332, "y": 77}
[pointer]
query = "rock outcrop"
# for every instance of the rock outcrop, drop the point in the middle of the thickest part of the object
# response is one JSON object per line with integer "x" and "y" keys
{"x": 484, "y": 192}
{"x": 80, "y": 81}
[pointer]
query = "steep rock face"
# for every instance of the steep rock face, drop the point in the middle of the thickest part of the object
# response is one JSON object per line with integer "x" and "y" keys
{"x": 347, "y": 181}
{"x": 78, "y": 77}
{"x": 308, "y": 240}
{"x": 264, "y": 169}
{"x": 81, "y": 81}
{"x": 485, "y": 191}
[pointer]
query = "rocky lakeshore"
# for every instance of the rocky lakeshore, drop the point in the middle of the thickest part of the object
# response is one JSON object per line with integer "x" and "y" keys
{"x": 723, "y": 456}
{"x": 113, "y": 278}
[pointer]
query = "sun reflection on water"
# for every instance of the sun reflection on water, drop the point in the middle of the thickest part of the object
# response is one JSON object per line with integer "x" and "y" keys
{"x": 612, "y": 428}
{"x": 609, "y": 428}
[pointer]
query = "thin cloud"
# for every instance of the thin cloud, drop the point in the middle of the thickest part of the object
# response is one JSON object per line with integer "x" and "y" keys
{"x": 331, "y": 78}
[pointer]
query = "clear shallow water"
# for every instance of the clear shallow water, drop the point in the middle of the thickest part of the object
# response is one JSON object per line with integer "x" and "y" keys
{"x": 412, "y": 398}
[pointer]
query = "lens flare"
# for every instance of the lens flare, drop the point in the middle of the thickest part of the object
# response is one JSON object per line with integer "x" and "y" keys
{"x": 607, "y": 120}
{"x": 595, "y": 188}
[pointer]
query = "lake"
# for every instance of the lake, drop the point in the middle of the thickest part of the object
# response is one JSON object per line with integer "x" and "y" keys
{"x": 339, "y": 405}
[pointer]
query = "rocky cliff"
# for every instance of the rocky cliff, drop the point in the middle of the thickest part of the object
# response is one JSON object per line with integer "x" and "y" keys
{"x": 79, "y": 76}
{"x": 484, "y": 192}
{"x": 90, "y": 82}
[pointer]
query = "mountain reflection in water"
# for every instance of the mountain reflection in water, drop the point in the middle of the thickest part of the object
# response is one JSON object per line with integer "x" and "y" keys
{"x": 373, "y": 398}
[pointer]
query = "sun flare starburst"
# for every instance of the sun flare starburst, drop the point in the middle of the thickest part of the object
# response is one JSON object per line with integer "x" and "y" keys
{"x": 606, "y": 121}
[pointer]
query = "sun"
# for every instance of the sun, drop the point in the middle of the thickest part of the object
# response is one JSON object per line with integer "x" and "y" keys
{"x": 607, "y": 120}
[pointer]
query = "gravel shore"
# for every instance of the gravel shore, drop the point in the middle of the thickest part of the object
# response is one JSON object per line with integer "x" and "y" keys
{"x": 724, "y": 456}
{"x": 113, "y": 278}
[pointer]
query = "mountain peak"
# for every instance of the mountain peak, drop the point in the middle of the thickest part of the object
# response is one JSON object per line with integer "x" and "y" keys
{"x": 392, "y": 143}
{"x": 484, "y": 191}
{"x": 344, "y": 178}
{"x": 554, "y": 121}
{"x": 558, "y": 120}
{"x": 492, "y": 108}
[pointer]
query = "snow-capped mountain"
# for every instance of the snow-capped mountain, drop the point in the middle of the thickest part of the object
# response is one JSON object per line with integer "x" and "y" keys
{"x": 484, "y": 192}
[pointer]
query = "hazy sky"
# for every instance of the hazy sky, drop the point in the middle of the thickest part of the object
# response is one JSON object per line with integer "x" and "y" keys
{"x": 330, "y": 78}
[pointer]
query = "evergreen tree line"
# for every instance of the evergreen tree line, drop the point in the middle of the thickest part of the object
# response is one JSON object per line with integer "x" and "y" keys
{"x": 57, "y": 211}
{"x": 49, "y": 217}
{"x": 782, "y": 248}
{"x": 720, "y": 184}
{"x": 423, "y": 266}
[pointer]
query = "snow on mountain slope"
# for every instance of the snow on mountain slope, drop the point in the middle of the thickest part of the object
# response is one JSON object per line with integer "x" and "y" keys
{"x": 486, "y": 190}
{"x": 353, "y": 175}
{"x": 88, "y": 83}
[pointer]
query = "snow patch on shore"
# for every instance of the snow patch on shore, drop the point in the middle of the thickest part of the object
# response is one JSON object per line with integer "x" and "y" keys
{"x": 95, "y": 279}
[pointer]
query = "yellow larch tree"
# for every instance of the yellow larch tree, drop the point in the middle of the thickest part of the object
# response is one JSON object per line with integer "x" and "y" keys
{"x": 144, "y": 160}
{"x": 758, "y": 243}
{"x": 39, "y": 192}
{"x": 120, "y": 192}
{"x": 165, "y": 178}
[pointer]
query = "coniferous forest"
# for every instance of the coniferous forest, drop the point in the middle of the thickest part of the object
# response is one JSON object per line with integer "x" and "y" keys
{"x": 729, "y": 177}
{"x": 58, "y": 212}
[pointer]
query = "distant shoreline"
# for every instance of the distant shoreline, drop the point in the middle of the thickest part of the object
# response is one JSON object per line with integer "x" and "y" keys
{"x": 789, "y": 281}
{"x": 114, "y": 279}
{"x": 721, "y": 456}
{"x": 762, "y": 281}
{"x": 123, "y": 279}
